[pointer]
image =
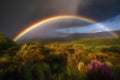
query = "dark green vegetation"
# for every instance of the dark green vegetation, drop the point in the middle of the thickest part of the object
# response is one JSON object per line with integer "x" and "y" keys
{"x": 59, "y": 61}
{"x": 5, "y": 43}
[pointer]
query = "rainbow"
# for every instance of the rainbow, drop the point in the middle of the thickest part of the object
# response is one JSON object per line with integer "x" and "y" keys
{"x": 41, "y": 22}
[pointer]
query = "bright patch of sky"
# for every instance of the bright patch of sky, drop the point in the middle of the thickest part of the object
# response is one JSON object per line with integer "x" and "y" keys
{"x": 113, "y": 24}
{"x": 109, "y": 25}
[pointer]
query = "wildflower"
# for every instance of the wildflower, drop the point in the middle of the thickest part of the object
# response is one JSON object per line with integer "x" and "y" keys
{"x": 99, "y": 71}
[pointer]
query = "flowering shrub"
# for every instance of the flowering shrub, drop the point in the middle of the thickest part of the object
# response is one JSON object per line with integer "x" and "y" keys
{"x": 99, "y": 71}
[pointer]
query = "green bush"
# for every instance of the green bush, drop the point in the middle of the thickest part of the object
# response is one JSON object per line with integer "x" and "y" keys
{"x": 115, "y": 49}
{"x": 5, "y": 43}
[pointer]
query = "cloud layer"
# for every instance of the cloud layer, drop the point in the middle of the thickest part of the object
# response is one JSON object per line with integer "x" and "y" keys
{"x": 15, "y": 15}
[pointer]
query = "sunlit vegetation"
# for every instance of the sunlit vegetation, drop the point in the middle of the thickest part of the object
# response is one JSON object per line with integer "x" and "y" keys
{"x": 90, "y": 59}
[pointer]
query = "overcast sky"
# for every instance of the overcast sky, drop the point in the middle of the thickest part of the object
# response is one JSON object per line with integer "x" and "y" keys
{"x": 15, "y": 15}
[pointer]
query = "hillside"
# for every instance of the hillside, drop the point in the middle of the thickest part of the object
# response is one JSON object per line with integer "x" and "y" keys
{"x": 72, "y": 60}
{"x": 97, "y": 41}
{"x": 71, "y": 37}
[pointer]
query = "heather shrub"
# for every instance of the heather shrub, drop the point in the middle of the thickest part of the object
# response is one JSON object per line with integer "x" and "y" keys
{"x": 99, "y": 71}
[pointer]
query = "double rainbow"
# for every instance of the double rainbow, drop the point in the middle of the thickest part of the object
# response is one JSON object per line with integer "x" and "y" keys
{"x": 42, "y": 22}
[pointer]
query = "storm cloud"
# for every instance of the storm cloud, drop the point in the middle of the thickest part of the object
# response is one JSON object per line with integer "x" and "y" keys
{"x": 99, "y": 9}
{"x": 15, "y": 15}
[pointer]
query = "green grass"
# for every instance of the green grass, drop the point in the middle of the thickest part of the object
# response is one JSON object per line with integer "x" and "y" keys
{"x": 98, "y": 41}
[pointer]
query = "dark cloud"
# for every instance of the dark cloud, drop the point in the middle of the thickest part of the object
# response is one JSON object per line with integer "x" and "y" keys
{"x": 99, "y": 9}
{"x": 15, "y": 15}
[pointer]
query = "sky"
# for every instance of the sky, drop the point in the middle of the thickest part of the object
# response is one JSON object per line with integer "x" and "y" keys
{"x": 112, "y": 24}
{"x": 16, "y": 15}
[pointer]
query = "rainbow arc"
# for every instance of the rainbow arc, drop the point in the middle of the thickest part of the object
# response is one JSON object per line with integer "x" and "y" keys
{"x": 42, "y": 22}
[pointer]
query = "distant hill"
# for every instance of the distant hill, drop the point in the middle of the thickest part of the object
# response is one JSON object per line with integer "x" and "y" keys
{"x": 76, "y": 36}
{"x": 93, "y": 35}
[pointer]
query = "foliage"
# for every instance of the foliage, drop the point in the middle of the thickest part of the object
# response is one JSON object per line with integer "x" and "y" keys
{"x": 99, "y": 71}
{"x": 112, "y": 48}
{"x": 5, "y": 43}
{"x": 76, "y": 60}
{"x": 115, "y": 49}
